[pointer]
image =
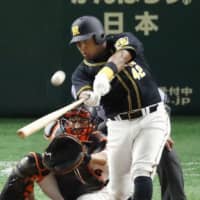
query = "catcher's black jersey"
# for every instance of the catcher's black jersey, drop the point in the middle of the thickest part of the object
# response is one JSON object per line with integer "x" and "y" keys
{"x": 132, "y": 88}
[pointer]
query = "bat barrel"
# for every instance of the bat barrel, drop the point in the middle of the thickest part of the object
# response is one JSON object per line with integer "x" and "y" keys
{"x": 43, "y": 121}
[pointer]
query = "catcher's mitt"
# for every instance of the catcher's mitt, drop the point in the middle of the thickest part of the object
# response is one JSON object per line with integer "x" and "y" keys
{"x": 64, "y": 154}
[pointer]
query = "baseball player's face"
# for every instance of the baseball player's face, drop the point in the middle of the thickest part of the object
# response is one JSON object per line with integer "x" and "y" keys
{"x": 77, "y": 122}
{"x": 79, "y": 127}
{"x": 89, "y": 49}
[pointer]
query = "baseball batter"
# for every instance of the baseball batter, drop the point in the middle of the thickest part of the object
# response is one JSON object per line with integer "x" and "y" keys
{"x": 114, "y": 74}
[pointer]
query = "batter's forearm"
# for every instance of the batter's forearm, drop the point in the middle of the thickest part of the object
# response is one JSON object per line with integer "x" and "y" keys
{"x": 115, "y": 64}
{"x": 120, "y": 58}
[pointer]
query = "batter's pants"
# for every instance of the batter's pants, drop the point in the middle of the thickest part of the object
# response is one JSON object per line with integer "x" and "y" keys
{"x": 134, "y": 149}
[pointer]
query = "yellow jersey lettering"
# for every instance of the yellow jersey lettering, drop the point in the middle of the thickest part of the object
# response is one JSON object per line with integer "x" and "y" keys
{"x": 138, "y": 72}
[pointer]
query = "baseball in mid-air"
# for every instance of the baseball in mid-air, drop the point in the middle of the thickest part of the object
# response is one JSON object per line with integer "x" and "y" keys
{"x": 58, "y": 78}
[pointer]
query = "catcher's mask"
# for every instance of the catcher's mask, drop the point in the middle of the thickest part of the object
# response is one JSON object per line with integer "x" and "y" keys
{"x": 86, "y": 27}
{"x": 64, "y": 154}
{"x": 79, "y": 123}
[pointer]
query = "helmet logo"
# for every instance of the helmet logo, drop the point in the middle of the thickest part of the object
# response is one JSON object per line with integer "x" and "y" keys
{"x": 75, "y": 30}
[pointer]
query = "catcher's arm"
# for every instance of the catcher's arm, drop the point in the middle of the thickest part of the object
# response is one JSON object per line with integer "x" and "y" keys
{"x": 98, "y": 166}
{"x": 99, "y": 158}
{"x": 50, "y": 187}
{"x": 52, "y": 130}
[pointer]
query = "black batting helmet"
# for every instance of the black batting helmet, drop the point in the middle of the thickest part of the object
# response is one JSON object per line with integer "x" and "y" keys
{"x": 86, "y": 27}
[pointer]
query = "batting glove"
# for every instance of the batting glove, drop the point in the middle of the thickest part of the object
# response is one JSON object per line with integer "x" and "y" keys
{"x": 93, "y": 98}
{"x": 101, "y": 85}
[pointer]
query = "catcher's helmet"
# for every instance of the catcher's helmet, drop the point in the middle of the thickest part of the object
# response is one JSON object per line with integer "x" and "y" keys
{"x": 86, "y": 27}
{"x": 64, "y": 154}
{"x": 79, "y": 123}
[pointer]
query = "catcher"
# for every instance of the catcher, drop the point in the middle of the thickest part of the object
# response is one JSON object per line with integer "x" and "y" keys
{"x": 73, "y": 163}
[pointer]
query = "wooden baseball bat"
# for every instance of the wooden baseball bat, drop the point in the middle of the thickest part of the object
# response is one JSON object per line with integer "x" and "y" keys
{"x": 43, "y": 121}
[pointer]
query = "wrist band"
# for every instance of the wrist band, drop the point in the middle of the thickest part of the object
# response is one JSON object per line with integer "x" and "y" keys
{"x": 112, "y": 66}
{"x": 110, "y": 69}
